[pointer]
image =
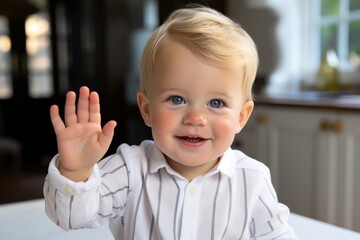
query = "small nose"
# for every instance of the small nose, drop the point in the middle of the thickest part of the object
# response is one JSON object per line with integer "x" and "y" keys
{"x": 195, "y": 117}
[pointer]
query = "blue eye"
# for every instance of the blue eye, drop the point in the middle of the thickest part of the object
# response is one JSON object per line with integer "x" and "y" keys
{"x": 176, "y": 100}
{"x": 216, "y": 103}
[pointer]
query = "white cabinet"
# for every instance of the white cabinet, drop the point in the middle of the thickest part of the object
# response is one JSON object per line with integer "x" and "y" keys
{"x": 313, "y": 155}
{"x": 348, "y": 166}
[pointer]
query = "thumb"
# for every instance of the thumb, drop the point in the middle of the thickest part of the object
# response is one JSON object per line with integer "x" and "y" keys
{"x": 107, "y": 133}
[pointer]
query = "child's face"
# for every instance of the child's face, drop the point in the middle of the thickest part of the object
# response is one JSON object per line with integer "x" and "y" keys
{"x": 194, "y": 109}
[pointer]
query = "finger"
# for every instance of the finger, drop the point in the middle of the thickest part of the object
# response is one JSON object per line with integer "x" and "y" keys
{"x": 56, "y": 120}
{"x": 94, "y": 108}
{"x": 70, "y": 109}
{"x": 107, "y": 133}
{"x": 83, "y": 105}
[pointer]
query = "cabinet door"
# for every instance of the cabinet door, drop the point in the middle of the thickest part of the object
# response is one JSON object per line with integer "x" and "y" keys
{"x": 326, "y": 171}
{"x": 295, "y": 139}
{"x": 291, "y": 141}
{"x": 314, "y": 158}
{"x": 348, "y": 166}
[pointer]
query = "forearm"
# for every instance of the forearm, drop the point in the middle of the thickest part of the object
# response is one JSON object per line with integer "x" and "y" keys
{"x": 87, "y": 204}
{"x": 69, "y": 204}
{"x": 71, "y": 211}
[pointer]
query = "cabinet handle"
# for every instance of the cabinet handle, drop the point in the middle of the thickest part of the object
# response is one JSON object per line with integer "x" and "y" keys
{"x": 337, "y": 126}
{"x": 325, "y": 125}
{"x": 262, "y": 118}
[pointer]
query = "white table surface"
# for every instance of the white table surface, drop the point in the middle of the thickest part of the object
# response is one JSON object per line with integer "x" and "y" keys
{"x": 28, "y": 221}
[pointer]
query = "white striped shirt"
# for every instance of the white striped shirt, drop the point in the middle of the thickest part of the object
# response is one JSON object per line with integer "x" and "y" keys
{"x": 145, "y": 199}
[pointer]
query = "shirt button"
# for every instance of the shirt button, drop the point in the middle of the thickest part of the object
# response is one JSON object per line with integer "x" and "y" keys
{"x": 192, "y": 190}
{"x": 68, "y": 190}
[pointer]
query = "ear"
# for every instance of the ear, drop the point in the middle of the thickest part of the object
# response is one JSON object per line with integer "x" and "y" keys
{"x": 143, "y": 104}
{"x": 245, "y": 113}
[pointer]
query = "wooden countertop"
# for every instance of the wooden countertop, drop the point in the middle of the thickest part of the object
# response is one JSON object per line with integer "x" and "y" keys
{"x": 335, "y": 101}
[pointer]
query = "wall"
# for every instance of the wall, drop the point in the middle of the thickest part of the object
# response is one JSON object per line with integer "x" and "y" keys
{"x": 275, "y": 27}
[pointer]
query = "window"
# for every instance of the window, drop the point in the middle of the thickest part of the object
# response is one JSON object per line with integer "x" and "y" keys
{"x": 5, "y": 60}
{"x": 38, "y": 53}
{"x": 338, "y": 28}
{"x": 37, "y": 30}
{"x": 303, "y": 31}
{"x": 38, "y": 48}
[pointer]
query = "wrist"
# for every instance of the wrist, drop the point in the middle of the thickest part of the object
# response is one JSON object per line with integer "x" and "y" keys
{"x": 75, "y": 176}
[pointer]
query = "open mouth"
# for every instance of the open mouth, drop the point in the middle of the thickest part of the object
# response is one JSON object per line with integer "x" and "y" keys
{"x": 192, "y": 139}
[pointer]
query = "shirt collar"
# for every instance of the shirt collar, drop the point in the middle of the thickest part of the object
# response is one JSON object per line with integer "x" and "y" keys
{"x": 157, "y": 159}
{"x": 226, "y": 165}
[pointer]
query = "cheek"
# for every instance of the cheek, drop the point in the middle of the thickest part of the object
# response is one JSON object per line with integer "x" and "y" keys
{"x": 162, "y": 120}
{"x": 225, "y": 127}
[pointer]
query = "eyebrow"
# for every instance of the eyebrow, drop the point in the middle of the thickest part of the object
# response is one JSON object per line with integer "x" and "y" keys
{"x": 182, "y": 90}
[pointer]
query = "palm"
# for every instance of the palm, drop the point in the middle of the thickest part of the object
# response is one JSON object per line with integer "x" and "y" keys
{"x": 81, "y": 140}
{"x": 78, "y": 145}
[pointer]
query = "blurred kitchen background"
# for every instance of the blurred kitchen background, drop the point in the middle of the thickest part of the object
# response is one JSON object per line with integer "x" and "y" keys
{"x": 306, "y": 122}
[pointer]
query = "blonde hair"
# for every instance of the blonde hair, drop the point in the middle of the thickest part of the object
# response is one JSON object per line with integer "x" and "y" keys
{"x": 215, "y": 38}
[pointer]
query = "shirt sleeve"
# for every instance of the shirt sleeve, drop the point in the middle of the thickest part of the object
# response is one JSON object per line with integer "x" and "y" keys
{"x": 270, "y": 218}
{"x": 75, "y": 205}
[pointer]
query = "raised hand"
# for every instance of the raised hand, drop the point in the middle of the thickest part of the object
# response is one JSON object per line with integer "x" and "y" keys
{"x": 81, "y": 140}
